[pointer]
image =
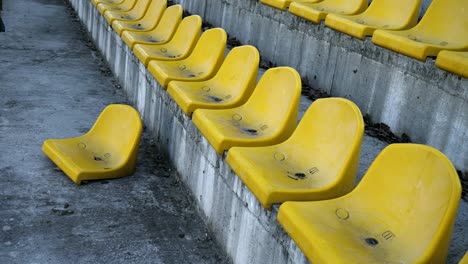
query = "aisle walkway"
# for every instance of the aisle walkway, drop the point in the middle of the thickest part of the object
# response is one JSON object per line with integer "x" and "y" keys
{"x": 53, "y": 85}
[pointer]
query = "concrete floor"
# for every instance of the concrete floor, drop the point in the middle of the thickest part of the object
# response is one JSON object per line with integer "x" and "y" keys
{"x": 54, "y": 85}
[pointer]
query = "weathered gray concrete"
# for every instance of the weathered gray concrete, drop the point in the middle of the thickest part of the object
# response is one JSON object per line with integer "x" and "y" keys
{"x": 417, "y": 98}
{"x": 424, "y": 5}
{"x": 52, "y": 85}
{"x": 246, "y": 231}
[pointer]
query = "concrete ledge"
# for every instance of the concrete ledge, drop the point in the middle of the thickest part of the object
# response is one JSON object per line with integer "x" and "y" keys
{"x": 417, "y": 98}
{"x": 247, "y": 232}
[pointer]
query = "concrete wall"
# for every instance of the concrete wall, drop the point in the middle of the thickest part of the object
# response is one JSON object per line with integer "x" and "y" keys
{"x": 412, "y": 97}
{"x": 424, "y": 5}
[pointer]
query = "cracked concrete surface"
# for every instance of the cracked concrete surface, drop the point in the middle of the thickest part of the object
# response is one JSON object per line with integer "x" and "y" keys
{"x": 54, "y": 85}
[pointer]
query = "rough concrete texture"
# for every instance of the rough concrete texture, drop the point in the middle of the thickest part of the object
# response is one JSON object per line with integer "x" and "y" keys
{"x": 424, "y": 5}
{"x": 413, "y": 97}
{"x": 52, "y": 85}
{"x": 246, "y": 231}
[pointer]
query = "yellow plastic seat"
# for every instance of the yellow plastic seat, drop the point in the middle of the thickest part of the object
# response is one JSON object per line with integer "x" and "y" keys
{"x": 402, "y": 211}
{"x": 443, "y": 27}
{"x": 230, "y": 87}
{"x": 123, "y": 6}
{"x": 283, "y": 4}
{"x": 268, "y": 117}
{"x": 179, "y": 47}
{"x": 453, "y": 61}
{"x": 464, "y": 260}
{"x": 200, "y": 65}
{"x": 136, "y": 13}
{"x": 381, "y": 14}
{"x": 318, "y": 162}
{"x": 162, "y": 33}
{"x": 317, "y": 12}
{"x": 149, "y": 21}
{"x": 108, "y": 150}
{"x": 109, "y": 2}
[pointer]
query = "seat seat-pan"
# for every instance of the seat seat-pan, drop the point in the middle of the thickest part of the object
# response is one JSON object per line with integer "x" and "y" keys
{"x": 316, "y": 12}
{"x": 414, "y": 43}
{"x": 80, "y": 162}
{"x": 453, "y": 61}
{"x": 355, "y": 26}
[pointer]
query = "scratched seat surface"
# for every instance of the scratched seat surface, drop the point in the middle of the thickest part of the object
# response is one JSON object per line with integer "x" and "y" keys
{"x": 284, "y": 4}
{"x": 317, "y": 12}
{"x": 148, "y": 22}
{"x": 402, "y": 211}
{"x": 443, "y": 27}
{"x": 318, "y": 162}
{"x": 453, "y": 61}
{"x": 179, "y": 47}
{"x": 161, "y": 34}
{"x": 268, "y": 117}
{"x": 200, "y": 65}
{"x": 108, "y": 150}
{"x": 381, "y": 14}
{"x": 230, "y": 87}
{"x": 123, "y": 6}
{"x": 136, "y": 13}
{"x": 110, "y": 2}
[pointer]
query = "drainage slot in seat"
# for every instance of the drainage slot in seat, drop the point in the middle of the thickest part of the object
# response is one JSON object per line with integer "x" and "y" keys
{"x": 250, "y": 131}
{"x": 371, "y": 241}
{"x": 214, "y": 98}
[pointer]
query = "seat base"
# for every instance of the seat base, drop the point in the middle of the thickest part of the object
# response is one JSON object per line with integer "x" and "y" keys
{"x": 131, "y": 38}
{"x": 81, "y": 161}
{"x": 134, "y": 26}
{"x": 273, "y": 178}
{"x": 192, "y": 96}
{"x": 455, "y": 62}
{"x": 235, "y": 127}
{"x": 408, "y": 43}
{"x": 349, "y": 27}
{"x": 305, "y": 11}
